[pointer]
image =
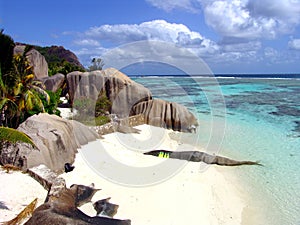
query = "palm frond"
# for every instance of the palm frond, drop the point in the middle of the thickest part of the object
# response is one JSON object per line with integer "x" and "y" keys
{"x": 13, "y": 136}
{"x": 41, "y": 91}
{"x": 5, "y": 101}
{"x": 28, "y": 100}
{"x": 28, "y": 78}
{"x": 1, "y": 81}
{"x": 17, "y": 89}
{"x": 33, "y": 100}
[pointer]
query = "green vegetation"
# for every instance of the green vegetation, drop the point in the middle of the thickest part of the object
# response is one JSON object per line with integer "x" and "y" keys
{"x": 92, "y": 112}
{"x": 10, "y": 135}
{"x": 63, "y": 67}
{"x": 51, "y": 107}
{"x": 13, "y": 136}
{"x": 20, "y": 95}
{"x": 103, "y": 105}
{"x": 6, "y": 52}
{"x": 57, "y": 63}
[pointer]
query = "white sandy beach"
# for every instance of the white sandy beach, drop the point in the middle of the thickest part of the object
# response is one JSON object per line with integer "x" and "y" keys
{"x": 17, "y": 191}
{"x": 190, "y": 196}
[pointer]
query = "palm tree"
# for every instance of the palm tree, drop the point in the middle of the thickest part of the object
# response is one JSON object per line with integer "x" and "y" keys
{"x": 26, "y": 89}
{"x": 8, "y": 106}
{"x": 20, "y": 98}
{"x": 19, "y": 93}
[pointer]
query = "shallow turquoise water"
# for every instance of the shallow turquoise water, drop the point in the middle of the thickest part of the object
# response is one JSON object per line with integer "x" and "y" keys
{"x": 259, "y": 121}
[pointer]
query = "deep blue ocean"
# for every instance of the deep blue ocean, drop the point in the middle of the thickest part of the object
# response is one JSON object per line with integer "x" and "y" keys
{"x": 247, "y": 118}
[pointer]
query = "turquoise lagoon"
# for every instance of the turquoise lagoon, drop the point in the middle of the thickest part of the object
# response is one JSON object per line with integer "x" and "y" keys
{"x": 247, "y": 119}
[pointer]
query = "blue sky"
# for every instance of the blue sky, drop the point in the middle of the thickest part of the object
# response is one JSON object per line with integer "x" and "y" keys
{"x": 231, "y": 36}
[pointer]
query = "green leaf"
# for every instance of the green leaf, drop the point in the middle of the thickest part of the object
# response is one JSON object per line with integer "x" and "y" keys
{"x": 14, "y": 136}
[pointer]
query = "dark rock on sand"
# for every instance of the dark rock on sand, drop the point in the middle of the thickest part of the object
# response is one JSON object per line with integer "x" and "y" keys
{"x": 69, "y": 167}
{"x": 104, "y": 208}
{"x": 61, "y": 208}
{"x": 196, "y": 156}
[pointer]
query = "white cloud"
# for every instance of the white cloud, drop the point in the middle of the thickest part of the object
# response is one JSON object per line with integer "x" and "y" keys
{"x": 155, "y": 51}
{"x": 242, "y": 47}
{"x": 286, "y": 11}
{"x": 270, "y": 52}
{"x": 87, "y": 42}
{"x": 294, "y": 44}
{"x": 248, "y": 19}
{"x": 272, "y": 56}
{"x": 232, "y": 19}
{"x": 152, "y": 30}
{"x": 169, "y": 5}
{"x": 98, "y": 40}
{"x": 156, "y": 30}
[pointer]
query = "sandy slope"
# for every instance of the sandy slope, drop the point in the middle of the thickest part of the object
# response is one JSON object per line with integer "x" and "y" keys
{"x": 142, "y": 185}
{"x": 17, "y": 191}
{"x": 191, "y": 196}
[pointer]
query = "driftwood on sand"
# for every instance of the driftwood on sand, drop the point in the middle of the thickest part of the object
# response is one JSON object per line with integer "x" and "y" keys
{"x": 24, "y": 214}
{"x": 197, "y": 156}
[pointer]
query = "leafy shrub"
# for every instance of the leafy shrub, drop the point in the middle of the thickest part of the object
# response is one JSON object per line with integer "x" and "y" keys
{"x": 92, "y": 112}
{"x": 103, "y": 105}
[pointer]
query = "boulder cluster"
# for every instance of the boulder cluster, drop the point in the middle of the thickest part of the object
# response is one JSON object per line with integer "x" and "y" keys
{"x": 57, "y": 139}
{"x": 127, "y": 97}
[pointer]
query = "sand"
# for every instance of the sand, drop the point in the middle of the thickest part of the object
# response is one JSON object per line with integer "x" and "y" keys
{"x": 17, "y": 191}
{"x": 144, "y": 187}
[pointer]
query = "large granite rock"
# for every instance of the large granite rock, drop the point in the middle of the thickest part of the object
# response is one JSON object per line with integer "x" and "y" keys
{"x": 122, "y": 92}
{"x": 54, "y": 82}
{"x": 166, "y": 114}
{"x": 36, "y": 60}
{"x": 39, "y": 63}
{"x": 57, "y": 141}
{"x": 129, "y": 98}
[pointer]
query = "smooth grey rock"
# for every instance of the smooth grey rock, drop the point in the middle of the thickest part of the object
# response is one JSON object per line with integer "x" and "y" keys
{"x": 129, "y": 98}
{"x": 36, "y": 60}
{"x": 39, "y": 63}
{"x": 54, "y": 82}
{"x": 166, "y": 114}
{"x": 57, "y": 140}
{"x": 122, "y": 92}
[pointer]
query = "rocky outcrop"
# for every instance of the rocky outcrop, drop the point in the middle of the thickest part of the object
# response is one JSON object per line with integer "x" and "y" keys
{"x": 54, "y": 82}
{"x": 129, "y": 98}
{"x": 119, "y": 89}
{"x": 19, "y": 49}
{"x": 166, "y": 114}
{"x": 39, "y": 64}
{"x": 45, "y": 176}
{"x": 57, "y": 141}
{"x": 36, "y": 60}
{"x": 61, "y": 207}
{"x": 63, "y": 54}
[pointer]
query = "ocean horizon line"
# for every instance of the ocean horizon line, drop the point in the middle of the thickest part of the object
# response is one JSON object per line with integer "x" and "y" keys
{"x": 233, "y": 76}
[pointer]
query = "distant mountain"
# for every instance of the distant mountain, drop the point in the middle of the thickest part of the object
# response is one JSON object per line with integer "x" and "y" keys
{"x": 57, "y": 54}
